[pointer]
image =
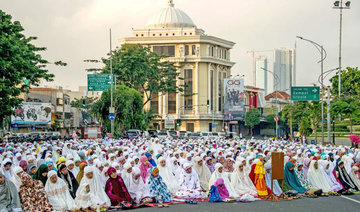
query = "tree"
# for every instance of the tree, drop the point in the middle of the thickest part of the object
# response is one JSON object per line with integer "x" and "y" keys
{"x": 252, "y": 118}
{"x": 300, "y": 114}
{"x": 129, "y": 113}
{"x": 141, "y": 69}
{"x": 346, "y": 107}
{"x": 350, "y": 83}
{"x": 314, "y": 108}
{"x": 21, "y": 64}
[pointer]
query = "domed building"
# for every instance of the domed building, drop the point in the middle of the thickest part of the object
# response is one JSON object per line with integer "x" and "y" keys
{"x": 204, "y": 61}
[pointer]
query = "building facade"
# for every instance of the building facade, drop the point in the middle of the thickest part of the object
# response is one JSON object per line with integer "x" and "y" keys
{"x": 261, "y": 76}
{"x": 284, "y": 69}
{"x": 204, "y": 61}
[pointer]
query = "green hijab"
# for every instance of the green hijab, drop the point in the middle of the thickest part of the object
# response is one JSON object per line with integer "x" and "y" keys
{"x": 38, "y": 175}
{"x": 291, "y": 179}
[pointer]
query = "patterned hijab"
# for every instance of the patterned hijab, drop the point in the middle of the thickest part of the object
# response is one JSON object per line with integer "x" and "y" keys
{"x": 158, "y": 188}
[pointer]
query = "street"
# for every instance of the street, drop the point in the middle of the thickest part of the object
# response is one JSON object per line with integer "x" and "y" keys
{"x": 340, "y": 203}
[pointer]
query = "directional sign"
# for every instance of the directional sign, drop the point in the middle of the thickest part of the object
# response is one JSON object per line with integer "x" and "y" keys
{"x": 310, "y": 93}
{"x": 111, "y": 116}
{"x": 16, "y": 126}
{"x": 33, "y": 128}
{"x": 99, "y": 82}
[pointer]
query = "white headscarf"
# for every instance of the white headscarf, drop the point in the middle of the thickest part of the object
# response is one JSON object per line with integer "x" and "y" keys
{"x": 7, "y": 174}
{"x": 241, "y": 182}
{"x": 354, "y": 176}
{"x": 96, "y": 195}
{"x": 138, "y": 189}
{"x": 317, "y": 178}
{"x": 216, "y": 175}
{"x": 167, "y": 176}
{"x": 58, "y": 193}
{"x": 15, "y": 178}
{"x": 203, "y": 173}
{"x": 125, "y": 175}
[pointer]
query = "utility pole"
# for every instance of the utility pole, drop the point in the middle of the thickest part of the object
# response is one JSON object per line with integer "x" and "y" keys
{"x": 111, "y": 110}
{"x": 328, "y": 115}
{"x": 322, "y": 95}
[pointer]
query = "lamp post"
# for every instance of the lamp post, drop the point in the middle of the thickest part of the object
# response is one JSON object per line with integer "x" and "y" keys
{"x": 328, "y": 99}
{"x": 276, "y": 77}
{"x": 339, "y": 5}
{"x": 322, "y": 51}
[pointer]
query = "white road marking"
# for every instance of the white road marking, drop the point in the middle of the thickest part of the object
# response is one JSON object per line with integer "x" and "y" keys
{"x": 357, "y": 201}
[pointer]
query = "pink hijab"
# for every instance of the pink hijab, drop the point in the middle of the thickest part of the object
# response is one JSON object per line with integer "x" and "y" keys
{"x": 220, "y": 185}
{"x": 144, "y": 168}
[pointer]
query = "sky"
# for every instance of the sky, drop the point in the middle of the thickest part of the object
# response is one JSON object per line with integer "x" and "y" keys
{"x": 75, "y": 30}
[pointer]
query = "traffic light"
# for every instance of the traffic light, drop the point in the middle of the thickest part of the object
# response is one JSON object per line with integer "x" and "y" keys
{"x": 83, "y": 103}
{"x": 178, "y": 122}
{"x": 208, "y": 103}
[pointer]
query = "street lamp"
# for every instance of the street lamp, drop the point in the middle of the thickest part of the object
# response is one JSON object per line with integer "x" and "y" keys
{"x": 277, "y": 80}
{"x": 322, "y": 51}
{"x": 339, "y": 5}
{"x": 328, "y": 99}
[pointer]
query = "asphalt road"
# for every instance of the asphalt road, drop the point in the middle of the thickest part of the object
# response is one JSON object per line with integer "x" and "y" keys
{"x": 328, "y": 204}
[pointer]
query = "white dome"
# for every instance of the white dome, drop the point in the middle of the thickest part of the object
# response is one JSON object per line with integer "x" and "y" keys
{"x": 170, "y": 17}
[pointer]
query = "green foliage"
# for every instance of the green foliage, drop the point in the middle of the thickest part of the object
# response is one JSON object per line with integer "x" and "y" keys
{"x": 350, "y": 83}
{"x": 347, "y": 107}
{"x": 21, "y": 64}
{"x": 129, "y": 112}
{"x": 139, "y": 68}
{"x": 252, "y": 118}
{"x": 78, "y": 103}
{"x": 306, "y": 116}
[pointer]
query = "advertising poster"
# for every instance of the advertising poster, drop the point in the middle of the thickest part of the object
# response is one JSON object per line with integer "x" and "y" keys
{"x": 32, "y": 113}
{"x": 234, "y": 103}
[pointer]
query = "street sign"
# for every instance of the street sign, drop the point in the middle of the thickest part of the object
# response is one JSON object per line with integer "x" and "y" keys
{"x": 309, "y": 93}
{"x": 169, "y": 122}
{"x": 99, "y": 82}
{"x": 276, "y": 118}
{"x": 111, "y": 109}
{"x": 213, "y": 125}
{"x": 33, "y": 128}
{"x": 111, "y": 116}
{"x": 16, "y": 126}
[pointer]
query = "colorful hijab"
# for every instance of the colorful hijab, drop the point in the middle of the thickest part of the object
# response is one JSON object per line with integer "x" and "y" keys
{"x": 151, "y": 161}
{"x": 211, "y": 166}
{"x": 144, "y": 168}
{"x": 115, "y": 188}
{"x": 220, "y": 185}
{"x": 291, "y": 179}
{"x": 158, "y": 188}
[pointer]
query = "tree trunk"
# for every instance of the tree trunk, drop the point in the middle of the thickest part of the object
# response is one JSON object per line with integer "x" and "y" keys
{"x": 351, "y": 128}
{"x": 315, "y": 134}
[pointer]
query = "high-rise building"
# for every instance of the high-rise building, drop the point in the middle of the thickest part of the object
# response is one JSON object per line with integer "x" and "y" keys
{"x": 285, "y": 69}
{"x": 261, "y": 76}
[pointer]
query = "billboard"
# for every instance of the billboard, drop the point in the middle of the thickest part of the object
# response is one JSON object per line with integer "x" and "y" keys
{"x": 234, "y": 103}
{"x": 32, "y": 113}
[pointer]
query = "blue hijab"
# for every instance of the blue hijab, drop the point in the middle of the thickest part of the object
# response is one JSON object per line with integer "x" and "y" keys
{"x": 291, "y": 179}
{"x": 214, "y": 194}
{"x": 152, "y": 161}
{"x": 331, "y": 158}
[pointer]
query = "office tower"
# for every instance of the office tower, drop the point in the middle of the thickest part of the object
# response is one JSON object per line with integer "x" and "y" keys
{"x": 261, "y": 76}
{"x": 284, "y": 68}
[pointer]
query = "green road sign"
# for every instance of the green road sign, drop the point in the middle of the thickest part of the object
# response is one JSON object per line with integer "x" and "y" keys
{"x": 311, "y": 93}
{"x": 99, "y": 82}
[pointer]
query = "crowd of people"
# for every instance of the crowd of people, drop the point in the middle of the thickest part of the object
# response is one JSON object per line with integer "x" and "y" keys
{"x": 93, "y": 174}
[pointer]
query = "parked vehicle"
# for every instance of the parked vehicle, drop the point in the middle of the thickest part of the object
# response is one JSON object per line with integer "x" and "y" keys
{"x": 193, "y": 135}
{"x": 163, "y": 134}
{"x": 183, "y": 134}
{"x": 174, "y": 134}
{"x": 131, "y": 134}
{"x": 153, "y": 133}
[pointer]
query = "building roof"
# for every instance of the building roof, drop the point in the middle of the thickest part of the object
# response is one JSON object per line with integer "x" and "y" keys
{"x": 42, "y": 89}
{"x": 280, "y": 95}
{"x": 170, "y": 17}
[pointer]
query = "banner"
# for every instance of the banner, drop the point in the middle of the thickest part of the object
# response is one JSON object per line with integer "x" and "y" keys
{"x": 32, "y": 113}
{"x": 234, "y": 103}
